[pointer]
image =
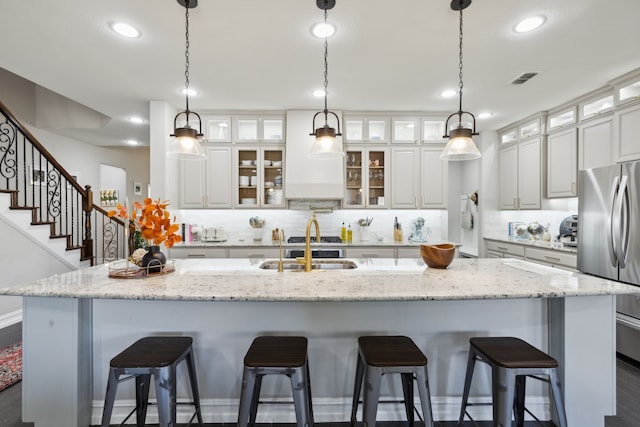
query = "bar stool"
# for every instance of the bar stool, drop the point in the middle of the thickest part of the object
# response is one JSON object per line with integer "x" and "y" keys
{"x": 276, "y": 355}
{"x": 157, "y": 356}
{"x": 380, "y": 355}
{"x": 512, "y": 360}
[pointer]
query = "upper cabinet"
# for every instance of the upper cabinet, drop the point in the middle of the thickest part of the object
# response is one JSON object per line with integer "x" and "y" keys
{"x": 434, "y": 178}
{"x": 595, "y": 143}
{"x": 366, "y": 177}
{"x": 626, "y": 130}
{"x": 207, "y": 184}
{"x": 564, "y": 117}
{"x": 259, "y": 177}
{"x": 218, "y": 128}
{"x": 521, "y": 175}
{"x": 627, "y": 90}
{"x": 562, "y": 164}
{"x": 596, "y": 105}
{"x": 414, "y": 130}
{"x": 364, "y": 129}
{"x": 253, "y": 129}
{"x": 405, "y": 163}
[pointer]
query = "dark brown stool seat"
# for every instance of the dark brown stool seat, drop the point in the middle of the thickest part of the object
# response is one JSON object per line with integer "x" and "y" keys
{"x": 512, "y": 360}
{"x": 380, "y": 355}
{"x": 280, "y": 355}
{"x": 157, "y": 356}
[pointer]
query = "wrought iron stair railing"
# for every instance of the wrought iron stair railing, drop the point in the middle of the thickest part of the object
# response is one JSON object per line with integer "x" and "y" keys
{"x": 37, "y": 182}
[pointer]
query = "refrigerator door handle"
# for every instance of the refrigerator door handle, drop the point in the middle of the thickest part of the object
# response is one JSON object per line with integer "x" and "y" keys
{"x": 611, "y": 224}
{"x": 624, "y": 215}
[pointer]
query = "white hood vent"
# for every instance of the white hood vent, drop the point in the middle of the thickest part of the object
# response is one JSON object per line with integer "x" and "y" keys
{"x": 306, "y": 177}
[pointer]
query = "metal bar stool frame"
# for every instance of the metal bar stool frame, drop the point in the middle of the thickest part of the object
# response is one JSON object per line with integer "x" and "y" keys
{"x": 509, "y": 383}
{"x": 371, "y": 372}
{"x": 259, "y": 361}
{"x": 165, "y": 381}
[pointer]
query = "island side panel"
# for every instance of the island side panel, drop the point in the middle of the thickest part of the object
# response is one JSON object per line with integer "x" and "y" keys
{"x": 223, "y": 331}
{"x": 582, "y": 338}
{"x": 57, "y": 362}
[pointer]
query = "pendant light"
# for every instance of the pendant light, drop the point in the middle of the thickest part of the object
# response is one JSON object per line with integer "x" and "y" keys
{"x": 186, "y": 144}
{"x": 460, "y": 145}
{"x": 326, "y": 144}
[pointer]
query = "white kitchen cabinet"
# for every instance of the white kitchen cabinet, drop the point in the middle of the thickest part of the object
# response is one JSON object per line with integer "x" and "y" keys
{"x": 218, "y": 128}
{"x": 259, "y": 181}
{"x": 405, "y": 175}
{"x": 179, "y": 252}
{"x": 405, "y": 130}
{"x": 595, "y": 143}
{"x": 521, "y": 175}
{"x": 410, "y": 252}
{"x": 627, "y": 130}
{"x": 499, "y": 249}
{"x": 565, "y": 260}
{"x": 434, "y": 177}
{"x": 596, "y": 105}
{"x": 257, "y": 252}
{"x": 363, "y": 129}
{"x": 207, "y": 184}
{"x": 562, "y": 163}
{"x": 367, "y": 177}
{"x": 563, "y": 117}
{"x": 432, "y": 130}
{"x": 363, "y": 252}
{"x": 267, "y": 128}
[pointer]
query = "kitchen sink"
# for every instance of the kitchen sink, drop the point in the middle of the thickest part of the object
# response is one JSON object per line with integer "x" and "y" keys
{"x": 316, "y": 264}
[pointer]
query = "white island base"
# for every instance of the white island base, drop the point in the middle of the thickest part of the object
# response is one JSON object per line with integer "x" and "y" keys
{"x": 59, "y": 371}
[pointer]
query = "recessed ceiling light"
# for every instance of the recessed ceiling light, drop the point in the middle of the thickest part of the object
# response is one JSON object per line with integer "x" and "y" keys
{"x": 131, "y": 142}
{"x": 529, "y": 24}
{"x": 190, "y": 92}
{"x": 322, "y": 30}
{"x": 136, "y": 120}
{"x": 448, "y": 93}
{"x": 125, "y": 30}
{"x": 319, "y": 93}
{"x": 485, "y": 115}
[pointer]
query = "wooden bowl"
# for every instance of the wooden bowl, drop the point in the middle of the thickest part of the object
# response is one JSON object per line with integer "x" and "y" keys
{"x": 438, "y": 256}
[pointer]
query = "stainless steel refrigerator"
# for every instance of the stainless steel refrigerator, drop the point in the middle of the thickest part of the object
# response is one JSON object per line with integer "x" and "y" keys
{"x": 609, "y": 240}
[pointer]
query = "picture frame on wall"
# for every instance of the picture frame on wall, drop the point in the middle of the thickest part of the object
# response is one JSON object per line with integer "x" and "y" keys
{"x": 75, "y": 177}
{"x": 137, "y": 189}
{"x": 37, "y": 176}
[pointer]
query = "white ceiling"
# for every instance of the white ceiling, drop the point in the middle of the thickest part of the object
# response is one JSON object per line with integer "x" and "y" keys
{"x": 256, "y": 54}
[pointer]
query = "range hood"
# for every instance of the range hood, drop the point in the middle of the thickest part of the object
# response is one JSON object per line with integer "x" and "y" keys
{"x": 306, "y": 177}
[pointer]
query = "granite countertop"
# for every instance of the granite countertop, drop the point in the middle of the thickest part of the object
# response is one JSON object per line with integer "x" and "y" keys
{"x": 372, "y": 280}
{"x": 268, "y": 243}
{"x": 535, "y": 243}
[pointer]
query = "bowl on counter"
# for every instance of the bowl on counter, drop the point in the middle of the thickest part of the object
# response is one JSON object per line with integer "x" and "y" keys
{"x": 438, "y": 256}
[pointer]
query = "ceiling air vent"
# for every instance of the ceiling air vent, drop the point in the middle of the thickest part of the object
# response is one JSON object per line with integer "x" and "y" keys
{"x": 523, "y": 78}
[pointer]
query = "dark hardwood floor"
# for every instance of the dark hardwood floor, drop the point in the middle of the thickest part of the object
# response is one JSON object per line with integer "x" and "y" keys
{"x": 628, "y": 391}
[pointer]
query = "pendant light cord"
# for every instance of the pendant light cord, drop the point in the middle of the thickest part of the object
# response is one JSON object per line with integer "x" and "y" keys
{"x": 186, "y": 58}
{"x": 326, "y": 66}
{"x": 460, "y": 65}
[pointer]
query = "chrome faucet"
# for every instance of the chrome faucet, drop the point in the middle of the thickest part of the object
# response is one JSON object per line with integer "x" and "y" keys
{"x": 307, "y": 251}
{"x": 280, "y": 239}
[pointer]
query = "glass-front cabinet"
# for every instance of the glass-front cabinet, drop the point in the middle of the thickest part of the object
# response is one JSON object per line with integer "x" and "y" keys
{"x": 259, "y": 178}
{"x": 405, "y": 130}
{"x": 367, "y": 177}
{"x": 360, "y": 129}
{"x": 433, "y": 130}
{"x": 258, "y": 128}
{"x": 218, "y": 128}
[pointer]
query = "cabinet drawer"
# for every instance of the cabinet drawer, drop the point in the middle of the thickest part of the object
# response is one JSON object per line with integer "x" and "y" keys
{"x": 370, "y": 253}
{"x": 552, "y": 257}
{"x": 255, "y": 253}
{"x": 505, "y": 248}
{"x": 409, "y": 252}
{"x": 197, "y": 252}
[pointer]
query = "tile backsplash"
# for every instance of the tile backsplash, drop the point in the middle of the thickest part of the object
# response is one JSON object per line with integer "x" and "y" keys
{"x": 294, "y": 222}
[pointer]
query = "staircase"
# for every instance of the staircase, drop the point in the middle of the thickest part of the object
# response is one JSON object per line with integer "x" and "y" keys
{"x": 43, "y": 200}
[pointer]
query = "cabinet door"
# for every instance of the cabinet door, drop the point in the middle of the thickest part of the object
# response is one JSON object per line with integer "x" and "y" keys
{"x": 404, "y": 177}
{"x": 595, "y": 144}
{"x": 562, "y": 164}
{"x": 434, "y": 174}
{"x": 271, "y": 129}
{"x": 508, "y": 162}
{"x": 272, "y": 167}
{"x": 405, "y": 130}
{"x": 218, "y": 129}
{"x": 354, "y": 188}
{"x": 245, "y": 129}
{"x": 192, "y": 183}
{"x": 218, "y": 177}
{"x": 377, "y": 178}
{"x": 246, "y": 193}
{"x": 627, "y": 128}
{"x": 432, "y": 130}
{"x": 530, "y": 174}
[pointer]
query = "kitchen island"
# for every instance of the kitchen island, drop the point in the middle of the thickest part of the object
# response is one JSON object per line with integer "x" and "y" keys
{"x": 75, "y": 322}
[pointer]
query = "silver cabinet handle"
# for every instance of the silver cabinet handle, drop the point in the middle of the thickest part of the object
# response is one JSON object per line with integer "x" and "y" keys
{"x": 551, "y": 258}
{"x": 503, "y": 248}
{"x": 573, "y": 188}
{"x": 196, "y": 255}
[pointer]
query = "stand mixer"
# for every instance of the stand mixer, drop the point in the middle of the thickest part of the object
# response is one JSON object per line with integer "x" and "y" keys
{"x": 417, "y": 236}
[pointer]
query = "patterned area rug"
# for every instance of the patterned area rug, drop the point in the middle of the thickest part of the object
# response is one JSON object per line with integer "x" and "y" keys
{"x": 10, "y": 365}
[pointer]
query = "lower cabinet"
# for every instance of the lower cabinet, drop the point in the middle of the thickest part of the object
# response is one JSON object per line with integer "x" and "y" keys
{"x": 258, "y": 252}
{"x": 370, "y": 252}
{"x": 553, "y": 258}
{"x": 197, "y": 252}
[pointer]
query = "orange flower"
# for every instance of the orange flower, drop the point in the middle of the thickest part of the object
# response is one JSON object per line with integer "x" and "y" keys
{"x": 154, "y": 221}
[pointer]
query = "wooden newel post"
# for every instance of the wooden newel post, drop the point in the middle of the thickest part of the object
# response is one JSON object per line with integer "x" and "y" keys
{"x": 87, "y": 207}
